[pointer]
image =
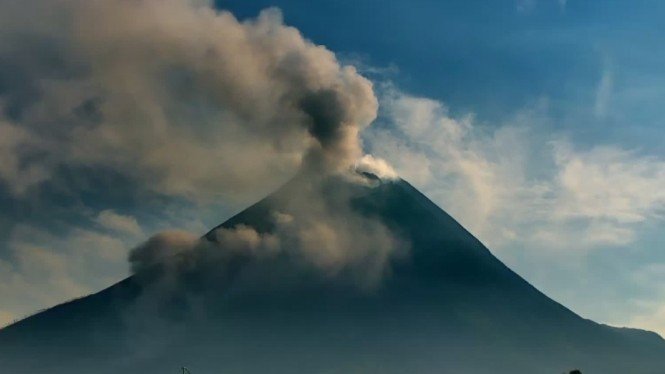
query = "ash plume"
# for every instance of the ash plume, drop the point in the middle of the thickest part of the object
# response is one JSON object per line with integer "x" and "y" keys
{"x": 184, "y": 100}
{"x": 181, "y": 98}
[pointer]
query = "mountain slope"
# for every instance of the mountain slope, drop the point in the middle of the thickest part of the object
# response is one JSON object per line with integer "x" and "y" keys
{"x": 446, "y": 304}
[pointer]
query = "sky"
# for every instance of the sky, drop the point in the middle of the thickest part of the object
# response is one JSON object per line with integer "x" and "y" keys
{"x": 536, "y": 123}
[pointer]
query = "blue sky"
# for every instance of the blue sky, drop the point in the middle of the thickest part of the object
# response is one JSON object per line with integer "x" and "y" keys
{"x": 536, "y": 123}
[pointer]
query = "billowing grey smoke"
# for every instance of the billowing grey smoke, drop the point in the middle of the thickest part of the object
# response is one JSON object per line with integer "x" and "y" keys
{"x": 182, "y": 99}
{"x": 313, "y": 227}
{"x": 185, "y": 100}
{"x": 160, "y": 248}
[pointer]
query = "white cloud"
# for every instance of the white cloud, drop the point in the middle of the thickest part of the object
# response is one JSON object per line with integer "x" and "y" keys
{"x": 6, "y": 318}
{"x": 654, "y": 319}
{"x": 376, "y": 166}
{"x": 508, "y": 184}
{"x": 12, "y": 139}
{"x": 118, "y": 222}
{"x": 35, "y": 278}
{"x": 650, "y": 310}
{"x": 44, "y": 269}
{"x": 609, "y": 183}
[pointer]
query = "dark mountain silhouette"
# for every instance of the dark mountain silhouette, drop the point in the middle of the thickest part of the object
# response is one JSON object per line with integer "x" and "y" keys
{"x": 446, "y": 305}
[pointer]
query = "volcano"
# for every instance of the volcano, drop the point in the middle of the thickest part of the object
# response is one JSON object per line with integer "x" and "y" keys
{"x": 444, "y": 304}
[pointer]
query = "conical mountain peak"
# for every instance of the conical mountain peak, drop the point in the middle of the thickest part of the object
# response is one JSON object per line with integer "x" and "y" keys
{"x": 329, "y": 274}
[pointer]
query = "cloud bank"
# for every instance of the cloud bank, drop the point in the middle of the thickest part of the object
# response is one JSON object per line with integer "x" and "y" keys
{"x": 510, "y": 184}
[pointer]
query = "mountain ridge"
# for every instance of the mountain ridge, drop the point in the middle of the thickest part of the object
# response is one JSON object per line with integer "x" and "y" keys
{"x": 450, "y": 296}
